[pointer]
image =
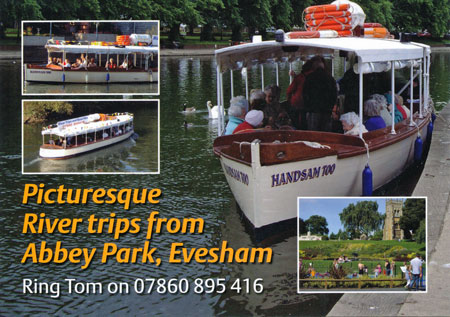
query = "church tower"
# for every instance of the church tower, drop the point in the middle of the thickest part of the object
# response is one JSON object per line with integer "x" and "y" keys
{"x": 394, "y": 210}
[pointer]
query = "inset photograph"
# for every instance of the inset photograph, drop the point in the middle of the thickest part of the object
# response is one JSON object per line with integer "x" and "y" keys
{"x": 90, "y": 136}
{"x": 362, "y": 244}
{"x": 90, "y": 57}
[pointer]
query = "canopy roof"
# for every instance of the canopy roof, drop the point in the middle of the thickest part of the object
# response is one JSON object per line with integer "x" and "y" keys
{"x": 79, "y": 49}
{"x": 367, "y": 49}
{"x": 79, "y": 128}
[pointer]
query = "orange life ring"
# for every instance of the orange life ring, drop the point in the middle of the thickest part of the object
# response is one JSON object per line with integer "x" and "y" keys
{"x": 329, "y": 21}
{"x": 317, "y": 34}
{"x": 323, "y": 15}
{"x": 376, "y": 32}
{"x": 328, "y": 7}
{"x": 373, "y": 25}
{"x": 336, "y": 27}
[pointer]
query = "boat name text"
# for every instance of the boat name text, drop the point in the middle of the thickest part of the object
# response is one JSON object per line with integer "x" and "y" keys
{"x": 236, "y": 174}
{"x": 302, "y": 175}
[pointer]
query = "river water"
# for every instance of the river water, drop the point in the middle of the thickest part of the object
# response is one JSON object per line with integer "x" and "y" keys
{"x": 193, "y": 186}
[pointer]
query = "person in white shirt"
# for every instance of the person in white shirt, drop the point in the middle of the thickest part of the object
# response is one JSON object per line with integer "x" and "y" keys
{"x": 416, "y": 271}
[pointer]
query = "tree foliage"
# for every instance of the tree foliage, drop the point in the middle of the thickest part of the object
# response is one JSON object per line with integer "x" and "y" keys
{"x": 39, "y": 111}
{"x": 256, "y": 15}
{"x": 362, "y": 217}
{"x": 317, "y": 225}
{"x": 413, "y": 214}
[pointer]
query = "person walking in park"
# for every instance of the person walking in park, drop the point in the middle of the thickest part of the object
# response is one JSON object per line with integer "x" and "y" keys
{"x": 416, "y": 271}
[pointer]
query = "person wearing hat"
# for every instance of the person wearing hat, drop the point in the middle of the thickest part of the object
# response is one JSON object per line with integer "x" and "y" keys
{"x": 253, "y": 120}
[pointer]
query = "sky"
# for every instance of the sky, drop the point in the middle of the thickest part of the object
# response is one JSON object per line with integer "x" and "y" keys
{"x": 330, "y": 208}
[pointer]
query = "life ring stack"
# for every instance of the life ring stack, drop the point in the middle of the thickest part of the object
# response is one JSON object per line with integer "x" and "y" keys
{"x": 341, "y": 18}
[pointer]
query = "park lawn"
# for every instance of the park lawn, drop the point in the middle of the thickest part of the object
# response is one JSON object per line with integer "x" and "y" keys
{"x": 361, "y": 249}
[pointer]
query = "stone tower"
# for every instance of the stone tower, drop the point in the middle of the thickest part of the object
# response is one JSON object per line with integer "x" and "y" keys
{"x": 394, "y": 210}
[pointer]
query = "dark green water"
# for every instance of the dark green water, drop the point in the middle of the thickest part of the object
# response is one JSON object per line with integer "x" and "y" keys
{"x": 193, "y": 186}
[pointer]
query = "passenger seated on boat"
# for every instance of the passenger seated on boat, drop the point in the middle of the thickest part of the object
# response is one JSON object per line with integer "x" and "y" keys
{"x": 92, "y": 63}
{"x": 253, "y": 120}
{"x": 66, "y": 63}
{"x": 236, "y": 113}
{"x": 124, "y": 64}
{"x": 350, "y": 124}
{"x": 257, "y": 99}
{"x": 77, "y": 64}
{"x": 105, "y": 135}
{"x": 84, "y": 63}
{"x": 51, "y": 142}
{"x": 384, "y": 112}
{"x": 400, "y": 115}
{"x": 110, "y": 64}
{"x": 319, "y": 97}
{"x": 274, "y": 114}
{"x": 50, "y": 61}
{"x": 373, "y": 120}
{"x": 405, "y": 108}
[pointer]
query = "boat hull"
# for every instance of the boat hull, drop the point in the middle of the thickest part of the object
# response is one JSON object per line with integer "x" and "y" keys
{"x": 88, "y": 77}
{"x": 61, "y": 153}
{"x": 267, "y": 194}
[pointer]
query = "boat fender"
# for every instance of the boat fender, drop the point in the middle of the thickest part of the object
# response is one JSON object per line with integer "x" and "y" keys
{"x": 433, "y": 117}
{"x": 135, "y": 136}
{"x": 63, "y": 77}
{"x": 367, "y": 181}
{"x": 430, "y": 128}
{"x": 107, "y": 77}
{"x": 418, "y": 145}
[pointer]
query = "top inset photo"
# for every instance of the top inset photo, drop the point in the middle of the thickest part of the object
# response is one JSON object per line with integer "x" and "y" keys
{"x": 90, "y": 57}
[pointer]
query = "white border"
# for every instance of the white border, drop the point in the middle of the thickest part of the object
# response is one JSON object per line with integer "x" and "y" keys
{"x": 300, "y": 291}
{"x": 94, "y": 94}
{"x": 96, "y": 173}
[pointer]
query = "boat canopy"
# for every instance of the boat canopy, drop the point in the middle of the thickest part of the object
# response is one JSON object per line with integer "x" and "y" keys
{"x": 368, "y": 50}
{"x": 79, "y": 49}
{"x": 83, "y": 125}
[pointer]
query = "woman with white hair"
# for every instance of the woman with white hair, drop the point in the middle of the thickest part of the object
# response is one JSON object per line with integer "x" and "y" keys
{"x": 350, "y": 124}
{"x": 253, "y": 120}
{"x": 236, "y": 113}
{"x": 384, "y": 111}
{"x": 372, "y": 112}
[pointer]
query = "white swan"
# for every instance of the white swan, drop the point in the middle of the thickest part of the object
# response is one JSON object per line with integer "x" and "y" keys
{"x": 213, "y": 111}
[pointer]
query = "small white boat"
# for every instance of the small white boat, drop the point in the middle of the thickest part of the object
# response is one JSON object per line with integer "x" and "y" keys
{"x": 138, "y": 69}
{"x": 84, "y": 134}
{"x": 268, "y": 170}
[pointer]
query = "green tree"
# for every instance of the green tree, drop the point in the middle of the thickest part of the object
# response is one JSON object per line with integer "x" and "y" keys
{"x": 282, "y": 14}
{"x": 361, "y": 218}
{"x": 333, "y": 236}
{"x": 256, "y": 15}
{"x": 39, "y": 111}
{"x": 421, "y": 232}
{"x": 317, "y": 225}
{"x": 232, "y": 18}
{"x": 413, "y": 214}
{"x": 378, "y": 235}
{"x": 379, "y": 11}
{"x": 342, "y": 235}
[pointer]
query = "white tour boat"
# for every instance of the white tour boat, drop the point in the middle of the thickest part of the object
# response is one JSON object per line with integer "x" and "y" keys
{"x": 268, "y": 170}
{"x": 84, "y": 134}
{"x": 138, "y": 69}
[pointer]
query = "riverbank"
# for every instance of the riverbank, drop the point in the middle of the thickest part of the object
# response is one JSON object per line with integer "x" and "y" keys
{"x": 14, "y": 53}
{"x": 435, "y": 184}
